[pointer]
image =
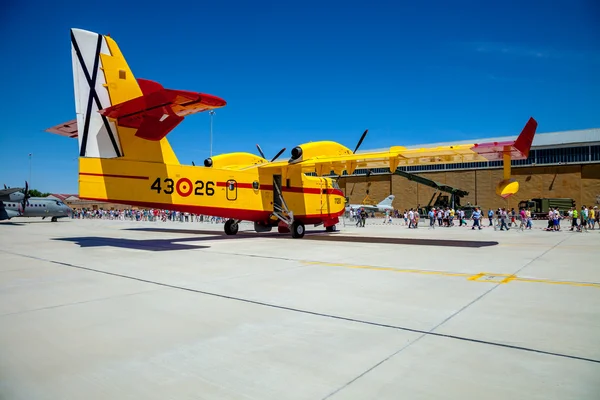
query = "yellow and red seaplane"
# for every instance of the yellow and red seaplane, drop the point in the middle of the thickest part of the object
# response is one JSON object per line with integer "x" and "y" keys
{"x": 124, "y": 155}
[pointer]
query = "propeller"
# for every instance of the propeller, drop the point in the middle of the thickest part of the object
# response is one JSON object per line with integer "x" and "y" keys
{"x": 362, "y": 137}
{"x": 262, "y": 154}
{"x": 193, "y": 164}
{"x": 278, "y": 154}
{"x": 260, "y": 151}
{"x": 25, "y": 197}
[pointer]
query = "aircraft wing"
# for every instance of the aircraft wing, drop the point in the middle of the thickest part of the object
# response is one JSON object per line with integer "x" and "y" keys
{"x": 6, "y": 192}
{"x": 401, "y": 156}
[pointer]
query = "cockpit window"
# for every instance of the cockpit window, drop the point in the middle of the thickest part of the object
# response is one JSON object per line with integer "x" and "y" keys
{"x": 335, "y": 185}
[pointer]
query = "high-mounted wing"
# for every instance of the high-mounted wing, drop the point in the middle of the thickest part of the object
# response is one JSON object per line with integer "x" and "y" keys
{"x": 324, "y": 157}
{"x": 8, "y": 191}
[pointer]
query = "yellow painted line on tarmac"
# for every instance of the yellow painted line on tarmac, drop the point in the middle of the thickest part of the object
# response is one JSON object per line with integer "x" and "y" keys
{"x": 390, "y": 269}
{"x": 551, "y": 282}
{"x": 486, "y": 277}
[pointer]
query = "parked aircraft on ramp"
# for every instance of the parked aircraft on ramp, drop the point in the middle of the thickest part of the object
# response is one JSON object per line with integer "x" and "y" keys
{"x": 124, "y": 155}
{"x": 16, "y": 202}
{"x": 383, "y": 206}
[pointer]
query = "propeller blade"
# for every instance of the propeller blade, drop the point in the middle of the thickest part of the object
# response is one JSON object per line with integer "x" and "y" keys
{"x": 277, "y": 155}
{"x": 25, "y": 197}
{"x": 361, "y": 140}
{"x": 260, "y": 151}
{"x": 193, "y": 164}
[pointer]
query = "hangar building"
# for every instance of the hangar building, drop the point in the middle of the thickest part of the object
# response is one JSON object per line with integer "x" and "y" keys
{"x": 560, "y": 164}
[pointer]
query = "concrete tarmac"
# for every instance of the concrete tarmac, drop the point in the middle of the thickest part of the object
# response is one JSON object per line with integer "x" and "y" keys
{"x": 97, "y": 309}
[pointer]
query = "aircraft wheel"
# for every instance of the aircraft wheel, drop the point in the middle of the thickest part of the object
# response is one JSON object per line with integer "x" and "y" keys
{"x": 297, "y": 230}
{"x": 331, "y": 228}
{"x": 231, "y": 227}
{"x": 54, "y": 219}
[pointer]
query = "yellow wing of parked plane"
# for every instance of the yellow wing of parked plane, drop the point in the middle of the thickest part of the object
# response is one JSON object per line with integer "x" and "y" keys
{"x": 324, "y": 157}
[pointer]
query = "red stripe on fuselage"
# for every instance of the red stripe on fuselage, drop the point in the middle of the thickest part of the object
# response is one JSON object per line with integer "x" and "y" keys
{"x": 115, "y": 176}
{"x": 235, "y": 213}
{"x": 291, "y": 189}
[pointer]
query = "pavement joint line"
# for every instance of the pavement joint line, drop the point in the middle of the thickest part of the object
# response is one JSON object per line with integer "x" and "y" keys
{"x": 79, "y": 302}
{"x": 432, "y": 332}
{"x": 330, "y": 316}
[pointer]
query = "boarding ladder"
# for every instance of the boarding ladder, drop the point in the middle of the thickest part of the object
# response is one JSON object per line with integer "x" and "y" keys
{"x": 280, "y": 208}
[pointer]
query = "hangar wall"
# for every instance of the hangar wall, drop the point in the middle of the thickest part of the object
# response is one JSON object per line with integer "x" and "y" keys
{"x": 580, "y": 182}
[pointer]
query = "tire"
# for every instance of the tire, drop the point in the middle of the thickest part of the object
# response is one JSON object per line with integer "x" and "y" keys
{"x": 231, "y": 227}
{"x": 54, "y": 219}
{"x": 331, "y": 228}
{"x": 298, "y": 230}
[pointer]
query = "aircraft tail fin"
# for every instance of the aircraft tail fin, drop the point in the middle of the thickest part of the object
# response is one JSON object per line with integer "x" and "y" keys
{"x": 119, "y": 115}
{"x": 516, "y": 149}
{"x": 387, "y": 201}
{"x": 98, "y": 137}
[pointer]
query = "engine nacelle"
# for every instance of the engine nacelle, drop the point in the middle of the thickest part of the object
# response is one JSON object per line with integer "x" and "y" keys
{"x": 233, "y": 159}
{"x": 507, "y": 188}
{"x": 318, "y": 149}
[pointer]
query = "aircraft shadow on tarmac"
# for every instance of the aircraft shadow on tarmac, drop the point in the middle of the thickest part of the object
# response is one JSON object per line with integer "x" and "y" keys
{"x": 176, "y": 243}
{"x": 310, "y": 235}
{"x": 142, "y": 244}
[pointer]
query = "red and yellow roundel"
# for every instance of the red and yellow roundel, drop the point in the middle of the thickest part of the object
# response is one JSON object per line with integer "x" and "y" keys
{"x": 184, "y": 187}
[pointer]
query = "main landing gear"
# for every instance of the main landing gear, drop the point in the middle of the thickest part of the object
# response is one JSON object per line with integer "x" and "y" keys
{"x": 297, "y": 230}
{"x": 54, "y": 219}
{"x": 331, "y": 228}
{"x": 231, "y": 227}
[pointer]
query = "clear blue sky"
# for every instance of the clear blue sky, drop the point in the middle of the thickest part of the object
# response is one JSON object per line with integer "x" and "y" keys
{"x": 321, "y": 70}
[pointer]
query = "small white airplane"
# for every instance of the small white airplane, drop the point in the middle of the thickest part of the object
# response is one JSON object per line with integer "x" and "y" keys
{"x": 383, "y": 206}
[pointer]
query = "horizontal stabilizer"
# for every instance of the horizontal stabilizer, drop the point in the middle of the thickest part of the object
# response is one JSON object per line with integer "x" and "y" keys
{"x": 159, "y": 110}
{"x": 68, "y": 129}
{"x": 518, "y": 149}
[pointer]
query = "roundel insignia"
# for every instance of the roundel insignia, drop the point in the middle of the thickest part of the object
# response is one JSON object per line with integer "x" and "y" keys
{"x": 184, "y": 187}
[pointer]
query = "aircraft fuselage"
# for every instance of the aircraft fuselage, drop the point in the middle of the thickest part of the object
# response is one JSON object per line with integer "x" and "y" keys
{"x": 250, "y": 194}
{"x": 36, "y": 207}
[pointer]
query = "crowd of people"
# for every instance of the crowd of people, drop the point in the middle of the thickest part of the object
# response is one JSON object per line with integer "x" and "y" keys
{"x": 144, "y": 215}
{"x": 500, "y": 219}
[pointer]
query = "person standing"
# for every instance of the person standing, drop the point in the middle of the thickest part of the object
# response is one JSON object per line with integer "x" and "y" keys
{"x": 476, "y": 217}
{"x": 431, "y": 216}
{"x": 503, "y": 216}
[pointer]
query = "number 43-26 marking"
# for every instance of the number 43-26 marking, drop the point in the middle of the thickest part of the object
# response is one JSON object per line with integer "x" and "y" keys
{"x": 184, "y": 187}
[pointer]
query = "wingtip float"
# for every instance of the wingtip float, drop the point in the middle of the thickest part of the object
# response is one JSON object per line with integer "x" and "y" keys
{"x": 122, "y": 125}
